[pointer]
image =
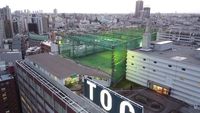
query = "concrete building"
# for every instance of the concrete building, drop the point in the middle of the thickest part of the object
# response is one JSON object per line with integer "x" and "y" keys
{"x": 9, "y": 95}
{"x": 181, "y": 36}
{"x": 45, "y": 24}
{"x": 146, "y": 12}
{"x": 17, "y": 42}
{"x": 5, "y": 14}
{"x": 2, "y": 32}
{"x": 55, "y": 12}
{"x": 168, "y": 69}
{"x": 49, "y": 47}
{"x": 42, "y": 89}
{"x": 138, "y": 8}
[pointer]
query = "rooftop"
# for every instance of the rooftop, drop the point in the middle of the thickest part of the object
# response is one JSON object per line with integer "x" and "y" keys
{"x": 179, "y": 53}
{"x": 5, "y": 77}
{"x": 63, "y": 68}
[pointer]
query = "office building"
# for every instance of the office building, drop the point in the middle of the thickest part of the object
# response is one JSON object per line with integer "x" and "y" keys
{"x": 146, "y": 12}
{"x": 45, "y": 24}
{"x": 55, "y": 12}
{"x": 17, "y": 42}
{"x": 33, "y": 27}
{"x": 138, "y": 8}
{"x": 168, "y": 69}
{"x": 8, "y": 28}
{"x": 5, "y": 15}
{"x": 41, "y": 84}
{"x": 2, "y": 32}
{"x": 15, "y": 28}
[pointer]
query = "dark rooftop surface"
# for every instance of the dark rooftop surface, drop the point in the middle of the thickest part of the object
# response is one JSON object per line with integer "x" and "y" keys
{"x": 61, "y": 67}
{"x": 156, "y": 103}
{"x": 179, "y": 53}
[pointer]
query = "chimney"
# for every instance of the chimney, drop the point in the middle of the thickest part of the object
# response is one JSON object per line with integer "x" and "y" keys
{"x": 146, "y": 37}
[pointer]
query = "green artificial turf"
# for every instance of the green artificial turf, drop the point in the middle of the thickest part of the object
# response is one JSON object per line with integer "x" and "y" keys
{"x": 100, "y": 61}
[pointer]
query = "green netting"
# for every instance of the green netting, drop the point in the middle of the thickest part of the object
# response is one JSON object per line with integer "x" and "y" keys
{"x": 38, "y": 37}
{"x": 106, "y": 51}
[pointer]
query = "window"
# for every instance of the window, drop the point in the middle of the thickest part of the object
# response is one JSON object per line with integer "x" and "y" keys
{"x": 183, "y": 69}
{"x": 154, "y": 62}
{"x": 34, "y": 64}
{"x": 161, "y": 90}
{"x": 3, "y": 89}
{"x": 154, "y": 70}
{"x": 58, "y": 107}
{"x": 4, "y": 95}
{"x": 8, "y": 111}
{"x": 143, "y": 67}
{"x": 169, "y": 65}
{"x": 144, "y": 59}
{"x": 132, "y": 63}
{"x": 4, "y": 99}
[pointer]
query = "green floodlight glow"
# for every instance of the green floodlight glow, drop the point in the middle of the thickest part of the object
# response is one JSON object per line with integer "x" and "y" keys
{"x": 106, "y": 51}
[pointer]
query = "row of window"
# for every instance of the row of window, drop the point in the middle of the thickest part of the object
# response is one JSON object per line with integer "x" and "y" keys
{"x": 42, "y": 93}
{"x": 154, "y": 69}
{"x": 155, "y": 62}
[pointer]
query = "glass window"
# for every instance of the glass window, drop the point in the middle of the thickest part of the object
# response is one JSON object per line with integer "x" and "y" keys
{"x": 48, "y": 109}
{"x": 58, "y": 107}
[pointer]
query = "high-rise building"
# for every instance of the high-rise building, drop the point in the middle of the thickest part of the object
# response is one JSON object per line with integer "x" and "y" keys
{"x": 55, "y": 11}
{"x": 8, "y": 28}
{"x": 2, "y": 32}
{"x": 138, "y": 8}
{"x": 33, "y": 27}
{"x": 45, "y": 24}
{"x": 42, "y": 89}
{"x": 146, "y": 12}
{"x": 6, "y": 16}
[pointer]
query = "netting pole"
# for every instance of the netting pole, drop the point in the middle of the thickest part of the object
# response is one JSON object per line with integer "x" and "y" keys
{"x": 113, "y": 65}
{"x": 73, "y": 48}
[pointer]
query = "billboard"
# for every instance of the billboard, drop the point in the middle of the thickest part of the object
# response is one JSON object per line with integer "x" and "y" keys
{"x": 109, "y": 100}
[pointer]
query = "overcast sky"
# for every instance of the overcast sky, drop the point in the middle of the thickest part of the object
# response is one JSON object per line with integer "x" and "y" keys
{"x": 103, "y": 6}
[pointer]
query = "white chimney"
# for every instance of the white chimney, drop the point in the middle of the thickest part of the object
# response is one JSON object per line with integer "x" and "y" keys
{"x": 146, "y": 37}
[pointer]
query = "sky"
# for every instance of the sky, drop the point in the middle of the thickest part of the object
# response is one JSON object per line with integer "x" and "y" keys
{"x": 103, "y": 6}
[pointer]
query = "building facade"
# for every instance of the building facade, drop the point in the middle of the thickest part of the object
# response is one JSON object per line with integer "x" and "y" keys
{"x": 6, "y": 17}
{"x": 173, "y": 72}
{"x": 138, "y": 8}
{"x": 9, "y": 95}
{"x": 42, "y": 93}
{"x": 146, "y": 12}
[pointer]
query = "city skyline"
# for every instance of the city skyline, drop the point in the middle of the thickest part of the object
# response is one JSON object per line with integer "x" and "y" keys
{"x": 103, "y": 6}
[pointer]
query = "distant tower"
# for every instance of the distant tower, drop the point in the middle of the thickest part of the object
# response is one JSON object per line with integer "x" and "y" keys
{"x": 146, "y": 37}
{"x": 55, "y": 11}
{"x": 138, "y": 8}
{"x": 158, "y": 34}
{"x": 146, "y": 12}
{"x": 6, "y": 17}
{"x": 2, "y": 32}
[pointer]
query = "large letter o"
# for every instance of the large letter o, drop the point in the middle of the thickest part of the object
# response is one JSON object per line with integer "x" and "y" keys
{"x": 104, "y": 93}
